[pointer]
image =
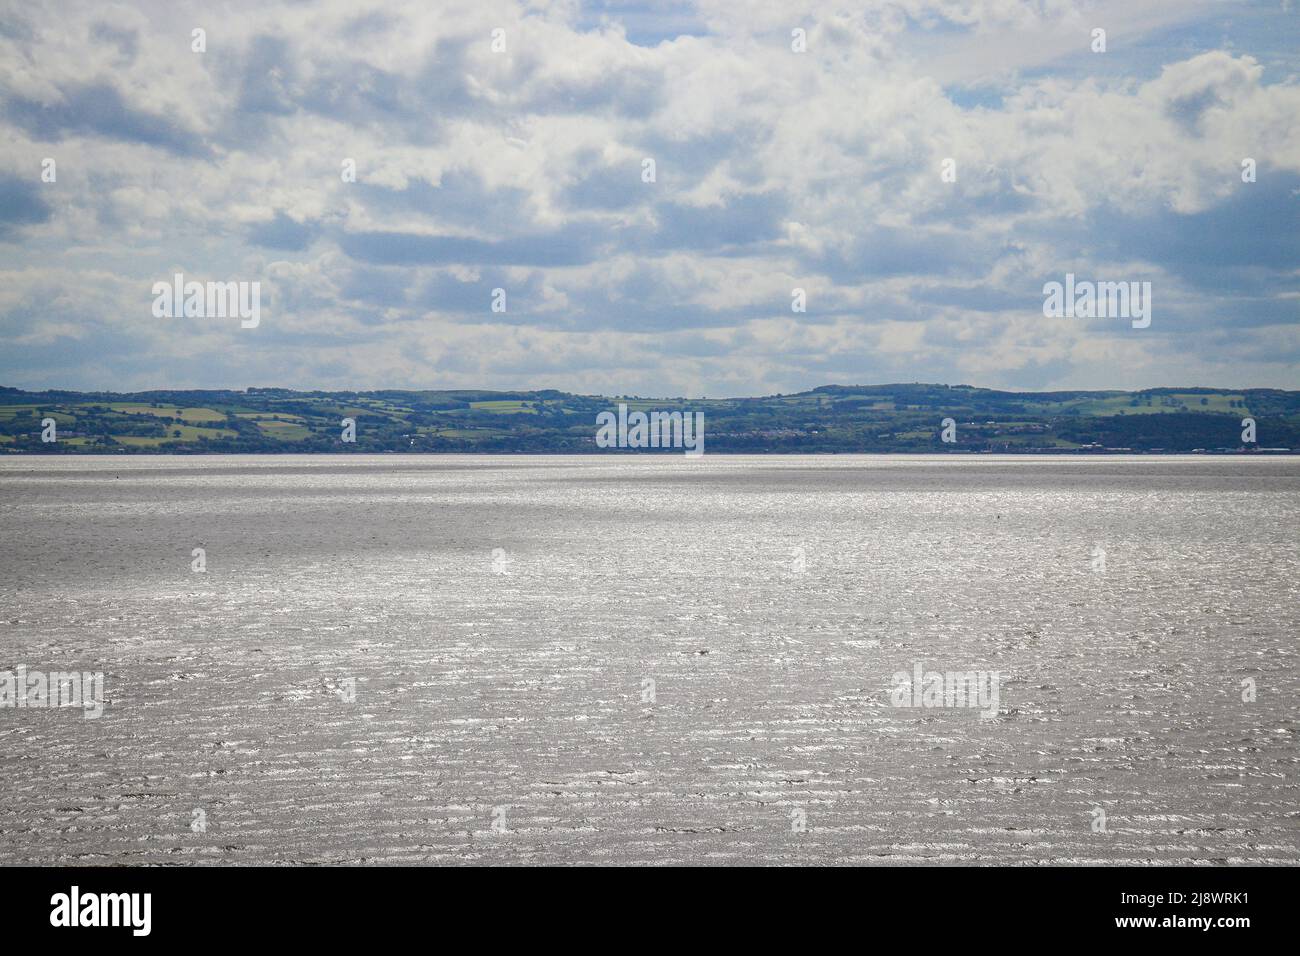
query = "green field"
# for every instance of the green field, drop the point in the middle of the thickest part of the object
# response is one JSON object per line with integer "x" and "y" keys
{"x": 167, "y": 411}
{"x": 187, "y": 433}
{"x": 13, "y": 411}
{"x": 503, "y": 408}
{"x": 284, "y": 430}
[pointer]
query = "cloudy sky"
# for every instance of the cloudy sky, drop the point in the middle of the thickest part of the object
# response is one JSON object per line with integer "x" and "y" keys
{"x": 522, "y": 169}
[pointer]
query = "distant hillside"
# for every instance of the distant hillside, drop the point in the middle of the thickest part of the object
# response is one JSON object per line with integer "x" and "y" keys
{"x": 833, "y": 418}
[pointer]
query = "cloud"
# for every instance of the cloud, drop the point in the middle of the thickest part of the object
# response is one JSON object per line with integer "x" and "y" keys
{"x": 20, "y": 203}
{"x": 282, "y": 232}
{"x": 1247, "y": 244}
{"x": 570, "y": 246}
{"x": 99, "y": 109}
{"x": 522, "y": 169}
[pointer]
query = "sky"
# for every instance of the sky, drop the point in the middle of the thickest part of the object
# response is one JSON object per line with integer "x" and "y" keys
{"x": 508, "y": 146}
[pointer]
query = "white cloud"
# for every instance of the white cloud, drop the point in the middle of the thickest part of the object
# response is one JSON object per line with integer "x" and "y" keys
{"x": 774, "y": 169}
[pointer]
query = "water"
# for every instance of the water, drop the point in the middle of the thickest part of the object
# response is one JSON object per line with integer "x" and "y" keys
{"x": 502, "y": 709}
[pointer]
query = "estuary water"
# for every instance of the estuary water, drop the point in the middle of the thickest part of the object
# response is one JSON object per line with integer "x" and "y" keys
{"x": 649, "y": 660}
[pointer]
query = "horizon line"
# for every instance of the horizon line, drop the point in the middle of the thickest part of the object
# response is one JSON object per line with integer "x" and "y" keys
{"x": 502, "y": 390}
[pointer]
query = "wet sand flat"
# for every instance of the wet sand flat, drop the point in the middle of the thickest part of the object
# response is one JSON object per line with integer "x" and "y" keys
{"x": 651, "y": 660}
